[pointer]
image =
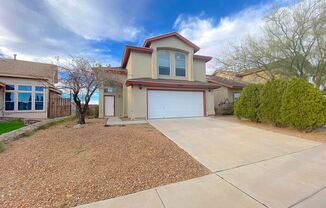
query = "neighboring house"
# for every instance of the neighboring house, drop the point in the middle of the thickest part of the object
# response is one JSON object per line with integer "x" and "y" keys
{"x": 229, "y": 90}
{"x": 164, "y": 78}
{"x": 256, "y": 76}
{"x": 26, "y": 88}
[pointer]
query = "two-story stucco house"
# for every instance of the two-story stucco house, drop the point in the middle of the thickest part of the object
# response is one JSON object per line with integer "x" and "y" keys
{"x": 25, "y": 88}
{"x": 164, "y": 78}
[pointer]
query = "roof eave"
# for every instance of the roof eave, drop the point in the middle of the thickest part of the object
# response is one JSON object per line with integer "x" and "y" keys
{"x": 185, "y": 86}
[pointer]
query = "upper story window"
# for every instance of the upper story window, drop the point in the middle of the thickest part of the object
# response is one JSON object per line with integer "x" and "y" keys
{"x": 163, "y": 62}
{"x": 180, "y": 64}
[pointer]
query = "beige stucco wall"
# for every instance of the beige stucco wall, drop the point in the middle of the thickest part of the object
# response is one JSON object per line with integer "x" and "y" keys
{"x": 210, "y": 103}
{"x": 199, "y": 70}
{"x": 222, "y": 94}
{"x": 139, "y": 65}
{"x": 32, "y": 114}
{"x": 258, "y": 78}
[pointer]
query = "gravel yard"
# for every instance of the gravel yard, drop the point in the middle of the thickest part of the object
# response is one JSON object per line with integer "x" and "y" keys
{"x": 62, "y": 166}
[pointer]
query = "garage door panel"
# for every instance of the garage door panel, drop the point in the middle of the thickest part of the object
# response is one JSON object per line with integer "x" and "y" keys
{"x": 169, "y": 104}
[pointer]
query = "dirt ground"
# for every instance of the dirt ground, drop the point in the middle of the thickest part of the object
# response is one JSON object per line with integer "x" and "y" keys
{"x": 62, "y": 166}
{"x": 318, "y": 135}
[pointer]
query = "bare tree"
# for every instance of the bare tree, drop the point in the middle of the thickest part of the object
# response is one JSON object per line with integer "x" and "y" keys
{"x": 82, "y": 77}
{"x": 293, "y": 44}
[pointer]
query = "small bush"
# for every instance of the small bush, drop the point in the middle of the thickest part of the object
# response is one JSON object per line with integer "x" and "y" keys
{"x": 271, "y": 102}
{"x": 2, "y": 146}
{"x": 303, "y": 106}
{"x": 248, "y": 103}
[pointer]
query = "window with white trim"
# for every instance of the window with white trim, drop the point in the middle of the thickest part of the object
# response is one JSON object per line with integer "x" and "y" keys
{"x": 39, "y": 98}
{"x": 180, "y": 64}
{"x": 10, "y": 98}
{"x": 24, "y": 97}
{"x": 163, "y": 62}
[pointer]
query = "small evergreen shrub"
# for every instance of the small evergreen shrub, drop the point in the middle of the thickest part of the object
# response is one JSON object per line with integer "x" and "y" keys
{"x": 248, "y": 103}
{"x": 303, "y": 106}
{"x": 271, "y": 102}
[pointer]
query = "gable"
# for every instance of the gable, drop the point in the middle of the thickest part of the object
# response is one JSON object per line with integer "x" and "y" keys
{"x": 173, "y": 35}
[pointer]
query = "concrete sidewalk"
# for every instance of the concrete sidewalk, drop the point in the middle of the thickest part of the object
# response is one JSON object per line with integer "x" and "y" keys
{"x": 208, "y": 191}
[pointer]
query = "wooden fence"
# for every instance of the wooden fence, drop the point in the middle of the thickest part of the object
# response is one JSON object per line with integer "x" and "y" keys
{"x": 59, "y": 107}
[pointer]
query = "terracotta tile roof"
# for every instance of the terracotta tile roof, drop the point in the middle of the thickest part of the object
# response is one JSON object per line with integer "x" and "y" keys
{"x": 226, "y": 82}
{"x": 27, "y": 69}
{"x": 171, "y": 83}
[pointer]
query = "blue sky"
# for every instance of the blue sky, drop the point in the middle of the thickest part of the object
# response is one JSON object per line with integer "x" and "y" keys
{"x": 42, "y": 30}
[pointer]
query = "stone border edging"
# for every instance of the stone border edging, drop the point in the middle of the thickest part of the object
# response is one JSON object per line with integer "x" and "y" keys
{"x": 18, "y": 133}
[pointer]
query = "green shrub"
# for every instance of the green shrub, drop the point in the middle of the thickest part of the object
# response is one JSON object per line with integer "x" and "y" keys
{"x": 2, "y": 146}
{"x": 271, "y": 101}
{"x": 247, "y": 104}
{"x": 303, "y": 106}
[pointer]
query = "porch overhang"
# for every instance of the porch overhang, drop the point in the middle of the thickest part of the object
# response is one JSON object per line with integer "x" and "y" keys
{"x": 171, "y": 83}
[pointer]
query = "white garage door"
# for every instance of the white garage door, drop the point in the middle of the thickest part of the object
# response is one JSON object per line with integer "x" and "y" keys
{"x": 169, "y": 104}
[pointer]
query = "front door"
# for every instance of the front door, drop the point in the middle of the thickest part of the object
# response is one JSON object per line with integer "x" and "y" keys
{"x": 109, "y": 105}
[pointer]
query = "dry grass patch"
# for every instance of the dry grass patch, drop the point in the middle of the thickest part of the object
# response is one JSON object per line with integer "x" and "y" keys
{"x": 62, "y": 166}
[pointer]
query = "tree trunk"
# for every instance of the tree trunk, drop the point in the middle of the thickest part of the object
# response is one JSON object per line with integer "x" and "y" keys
{"x": 81, "y": 119}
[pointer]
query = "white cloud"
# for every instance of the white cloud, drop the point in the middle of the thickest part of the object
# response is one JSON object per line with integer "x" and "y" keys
{"x": 97, "y": 19}
{"x": 214, "y": 36}
{"x": 40, "y": 30}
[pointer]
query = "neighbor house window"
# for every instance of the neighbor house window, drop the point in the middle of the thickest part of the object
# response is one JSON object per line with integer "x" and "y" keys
{"x": 10, "y": 98}
{"x": 24, "y": 88}
{"x": 39, "y": 98}
{"x": 163, "y": 62}
{"x": 24, "y": 101}
{"x": 180, "y": 64}
{"x": 39, "y": 88}
{"x": 236, "y": 95}
{"x": 10, "y": 87}
{"x": 24, "y": 97}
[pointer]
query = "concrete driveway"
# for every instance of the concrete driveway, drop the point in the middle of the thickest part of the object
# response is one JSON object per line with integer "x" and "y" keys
{"x": 274, "y": 169}
{"x": 251, "y": 168}
{"x": 221, "y": 145}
